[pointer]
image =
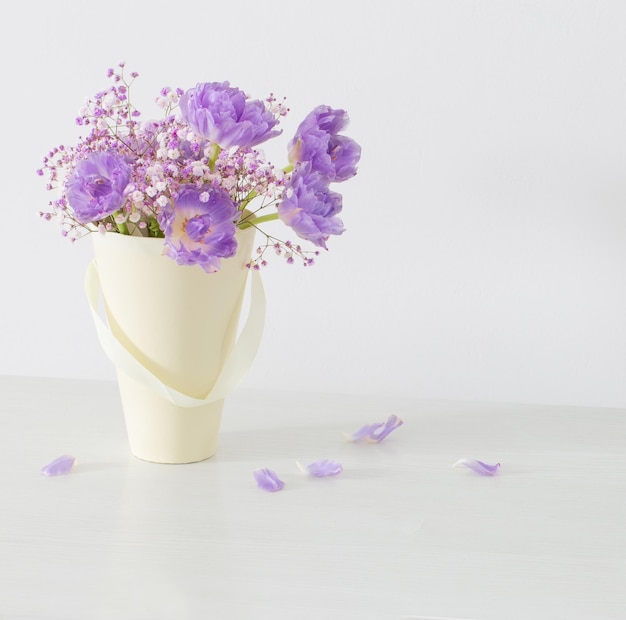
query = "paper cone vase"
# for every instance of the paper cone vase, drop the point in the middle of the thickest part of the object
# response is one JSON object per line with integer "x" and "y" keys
{"x": 171, "y": 332}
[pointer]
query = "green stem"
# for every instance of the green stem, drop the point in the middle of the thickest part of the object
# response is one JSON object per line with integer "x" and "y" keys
{"x": 214, "y": 156}
{"x": 255, "y": 221}
{"x": 246, "y": 201}
{"x": 153, "y": 228}
{"x": 122, "y": 228}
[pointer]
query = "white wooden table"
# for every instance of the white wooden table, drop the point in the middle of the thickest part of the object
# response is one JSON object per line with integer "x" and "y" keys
{"x": 399, "y": 534}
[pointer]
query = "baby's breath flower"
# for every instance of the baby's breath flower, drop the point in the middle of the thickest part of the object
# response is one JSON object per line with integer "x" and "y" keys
{"x": 229, "y": 182}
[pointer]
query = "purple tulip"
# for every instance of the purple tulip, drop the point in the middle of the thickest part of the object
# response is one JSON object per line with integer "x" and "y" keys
{"x": 310, "y": 208}
{"x": 224, "y": 115}
{"x": 326, "y": 119}
{"x": 199, "y": 228}
{"x": 96, "y": 187}
{"x": 317, "y": 141}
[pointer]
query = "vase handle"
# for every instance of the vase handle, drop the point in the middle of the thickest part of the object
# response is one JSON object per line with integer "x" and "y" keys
{"x": 233, "y": 370}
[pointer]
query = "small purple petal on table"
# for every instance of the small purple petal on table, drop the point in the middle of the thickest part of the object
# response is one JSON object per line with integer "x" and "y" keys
{"x": 478, "y": 466}
{"x": 58, "y": 467}
{"x": 375, "y": 433}
{"x": 325, "y": 467}
{"x": 268, "y": 480}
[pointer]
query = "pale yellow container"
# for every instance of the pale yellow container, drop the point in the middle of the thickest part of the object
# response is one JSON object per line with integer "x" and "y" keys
{"x": 177, "y": 327}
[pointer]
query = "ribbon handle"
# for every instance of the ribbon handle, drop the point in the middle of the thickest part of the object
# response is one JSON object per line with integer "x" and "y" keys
{"x": 233, "y": 370}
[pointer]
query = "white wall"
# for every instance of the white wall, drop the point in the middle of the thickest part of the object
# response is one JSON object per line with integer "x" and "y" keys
{"x": 486, "y": 244}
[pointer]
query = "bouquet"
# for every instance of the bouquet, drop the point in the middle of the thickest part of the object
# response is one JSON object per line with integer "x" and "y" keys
{"x": 197, "y": 175}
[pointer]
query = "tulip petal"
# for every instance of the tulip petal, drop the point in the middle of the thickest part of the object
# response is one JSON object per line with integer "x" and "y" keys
{"x": 322, "y": 468}
{"x": 375, "y": 433}
{"x": 61, "y": 465}
{"x": 478, "y": 466}
{"x": 268, "y": 480}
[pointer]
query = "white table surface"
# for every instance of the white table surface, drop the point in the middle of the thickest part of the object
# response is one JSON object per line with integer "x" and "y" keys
{"x": 399, "y": 534}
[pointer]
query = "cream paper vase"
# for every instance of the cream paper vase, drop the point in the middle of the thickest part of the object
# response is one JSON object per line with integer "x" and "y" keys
{"x": 171, "y": 332}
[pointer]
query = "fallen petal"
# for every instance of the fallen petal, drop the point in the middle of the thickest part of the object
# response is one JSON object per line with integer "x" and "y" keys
{"x": 325, "y": 467}
{"x": 478, "y": 466}
{"x": 365, "y": 432}
{"x": 267, "y": 480}
{"x": 375, "y": 433}
{"x": 61, "y": 465}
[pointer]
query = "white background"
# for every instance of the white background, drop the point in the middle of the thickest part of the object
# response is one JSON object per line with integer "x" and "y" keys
{"x": 485, "y": 252}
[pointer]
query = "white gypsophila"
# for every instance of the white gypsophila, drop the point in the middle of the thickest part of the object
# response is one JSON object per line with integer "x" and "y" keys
{"x": 151, "y": 191}
{"x": 173, "y": 154}
{"x": 161, "y": 186}
{"x": 162, "y": 201}
{"x": 109, "y": 101}
{"x": 137, "y": 196}
{"x": 229, "y": 182}
{"x": 250, "y": 158}
{"x": 134, "y": 217}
